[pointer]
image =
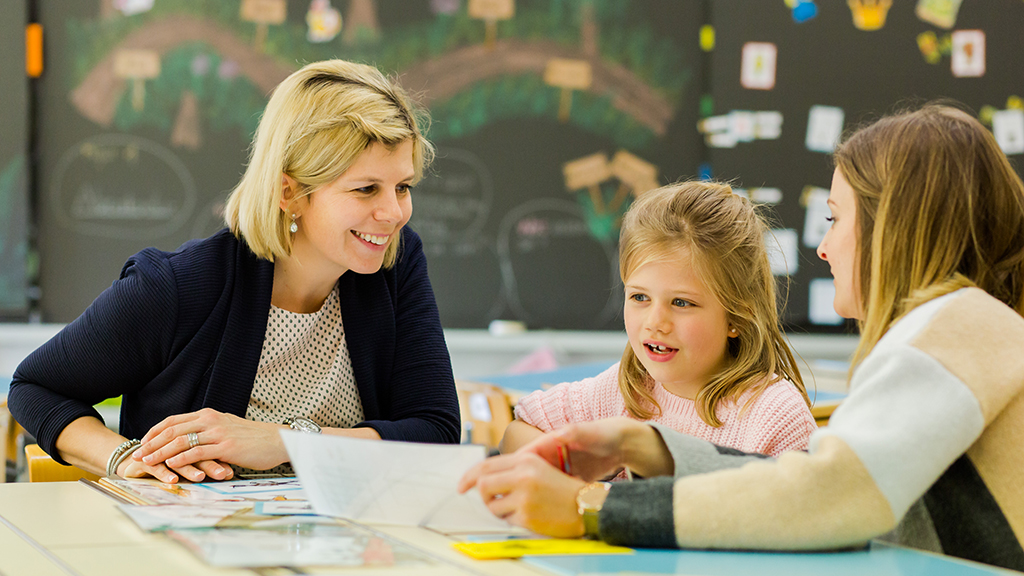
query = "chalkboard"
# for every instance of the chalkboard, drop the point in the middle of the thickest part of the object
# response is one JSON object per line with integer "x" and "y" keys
{"x": 148, "y": 109}
{"x": 549, "y": 117}
{"x": 829, "y": 65}
{"x": 13, "y": 165}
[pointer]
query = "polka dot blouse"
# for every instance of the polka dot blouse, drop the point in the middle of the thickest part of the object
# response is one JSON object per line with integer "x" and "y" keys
{"x": 305, "y": 371}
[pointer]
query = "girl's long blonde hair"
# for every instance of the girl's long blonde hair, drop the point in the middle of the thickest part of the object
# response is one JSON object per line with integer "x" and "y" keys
{"x": 939, "y": 207}
{"x": 316, "y": 124}
{"x": 725, "y": 237}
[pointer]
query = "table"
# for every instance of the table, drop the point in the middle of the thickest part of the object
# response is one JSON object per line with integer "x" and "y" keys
{"x": 68, "y": 529}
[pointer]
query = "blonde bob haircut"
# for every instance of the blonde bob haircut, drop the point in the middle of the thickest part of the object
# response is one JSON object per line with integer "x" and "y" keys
{"x": 939, "y": 207}
{"x": 724, "y": 237}
{"x": 316, "y": 124}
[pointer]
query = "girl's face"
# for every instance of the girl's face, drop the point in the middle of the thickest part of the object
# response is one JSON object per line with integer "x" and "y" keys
{"x": 676, "y": 327}
{"x": 348, "y": 224}
{"x": 839, "y": 248}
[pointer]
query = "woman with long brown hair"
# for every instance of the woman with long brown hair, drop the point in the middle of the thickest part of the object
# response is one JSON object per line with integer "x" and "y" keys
{"x": 927, "y": 251}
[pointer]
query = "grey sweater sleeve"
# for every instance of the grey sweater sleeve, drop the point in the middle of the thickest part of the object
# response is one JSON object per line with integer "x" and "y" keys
{"x": 695, "y": 456}
{"x": 640, "y": 513}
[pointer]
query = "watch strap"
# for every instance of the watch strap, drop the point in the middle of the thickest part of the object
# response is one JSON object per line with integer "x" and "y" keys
{"x": 589, "y": 511}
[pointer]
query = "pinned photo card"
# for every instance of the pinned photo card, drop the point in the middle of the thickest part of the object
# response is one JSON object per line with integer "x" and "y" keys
{"x": 783, "y": 251}
{"x": 968, "y": 56}
{"x": 820, "y": 308}
{"x": 323, "y": 20}
{"x": 742, "y": 125}
{"x": 1008, "y": 128}
{"x": 815, "y": 201}
{"x": 942, "y": 13}
{"x": 767, "y": 125}
{"x": 824, "y": 127}
{"x": 757, "y": 67}
{"x": 765, "y": 195}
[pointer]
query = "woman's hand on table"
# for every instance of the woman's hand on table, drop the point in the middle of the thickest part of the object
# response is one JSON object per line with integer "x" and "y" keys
{"x": 527, "y": 491}
{"x": 195, "y": 472}
{"x": 219, "y": 438}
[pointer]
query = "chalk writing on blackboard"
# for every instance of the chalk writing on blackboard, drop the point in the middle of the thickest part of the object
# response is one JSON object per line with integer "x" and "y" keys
{"x": 545, "y": 235}
{"x": 453, "y": 201}
{"x": 121, "y": 186}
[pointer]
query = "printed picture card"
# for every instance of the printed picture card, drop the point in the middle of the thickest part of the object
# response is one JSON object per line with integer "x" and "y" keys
{"x": 783, "y": 251}
{"x": 824, "y": 127}
{"x": 815, "y": 201}
{"x": 757, "y": 67}
{"x": 968, "y": 57}
{"x": 820, "y": 310}
{"x": 1008, "y": 128}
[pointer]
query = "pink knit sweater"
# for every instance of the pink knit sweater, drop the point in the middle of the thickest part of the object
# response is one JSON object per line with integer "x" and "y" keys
{"x": 776, "y": 422}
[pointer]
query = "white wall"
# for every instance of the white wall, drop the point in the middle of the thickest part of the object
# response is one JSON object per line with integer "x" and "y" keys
{"x": 475, "y": 353}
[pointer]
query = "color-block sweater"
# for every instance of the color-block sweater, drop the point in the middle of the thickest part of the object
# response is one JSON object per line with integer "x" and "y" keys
{"x": 776, "y": 422}
{"x": 927, "y": 449}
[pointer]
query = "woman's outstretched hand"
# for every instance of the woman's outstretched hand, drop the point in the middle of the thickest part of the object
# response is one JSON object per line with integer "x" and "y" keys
{"x": 528, "y": 491}
{"x": 218, "y": 439}
{"x": 598, "y": 449}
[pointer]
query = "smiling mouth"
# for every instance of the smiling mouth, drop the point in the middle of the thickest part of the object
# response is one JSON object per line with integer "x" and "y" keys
{"x": 372, "y": 238}
{"x": 659, "y": 349}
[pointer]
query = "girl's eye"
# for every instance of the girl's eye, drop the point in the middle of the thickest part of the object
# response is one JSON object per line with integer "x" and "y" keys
{"x": 681, "y": 303}
{"x": 638, "y": 297}
{"x": 404, "y": 188}
{"x": 367, "y": 189}
{"x": 830, "y": 219}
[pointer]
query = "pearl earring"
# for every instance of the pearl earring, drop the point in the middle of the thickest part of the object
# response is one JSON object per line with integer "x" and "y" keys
{"x": 295, "y": 225}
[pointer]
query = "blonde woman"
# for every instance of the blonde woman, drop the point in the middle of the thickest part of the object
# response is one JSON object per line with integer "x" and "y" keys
{"x": 927, "y": 251}
{"x": 312, "y": 310}
{"x": 705, "y": 355}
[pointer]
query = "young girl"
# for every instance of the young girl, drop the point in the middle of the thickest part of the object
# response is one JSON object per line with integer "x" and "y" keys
{"x": 705, "y": 353}
{"x": 927, "y": 250}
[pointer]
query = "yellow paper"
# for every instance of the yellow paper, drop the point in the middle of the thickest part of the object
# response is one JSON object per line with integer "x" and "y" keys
{"x": 519, "y": 548}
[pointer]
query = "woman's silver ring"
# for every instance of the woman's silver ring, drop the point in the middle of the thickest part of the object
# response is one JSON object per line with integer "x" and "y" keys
{"x": 193, "y": 439}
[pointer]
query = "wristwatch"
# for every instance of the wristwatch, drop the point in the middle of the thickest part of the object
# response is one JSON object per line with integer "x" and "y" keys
{"x": 302, "y": 425}
{"x": 589, "y": 502}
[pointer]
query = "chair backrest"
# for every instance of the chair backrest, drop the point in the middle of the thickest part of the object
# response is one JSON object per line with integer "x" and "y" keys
{"x": 42, "y": 468}
{"x": 486, "y": 411}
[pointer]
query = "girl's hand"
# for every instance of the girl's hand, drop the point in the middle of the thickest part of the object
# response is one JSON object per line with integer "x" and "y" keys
{"x": 223, "y": 438}
{"x": 528, "y": 491}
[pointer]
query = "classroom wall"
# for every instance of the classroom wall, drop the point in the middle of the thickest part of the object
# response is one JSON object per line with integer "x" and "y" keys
{"x": 549, "y": 116}
{"x": 14, "y": 169}
{"x": 474, "y": 353}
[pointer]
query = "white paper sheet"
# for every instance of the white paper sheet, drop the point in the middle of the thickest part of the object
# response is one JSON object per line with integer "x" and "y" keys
{"x": 757, "y": 66}
{"x": 968, "y": 57}
{"x": 389, "y": 482}
{"x": 815, "y": 200}
{"x": 1008, "y": 128}
{"x": 783, "y": 251}
{"x": 824, "y": 128}
{"x": 820, "y": 309}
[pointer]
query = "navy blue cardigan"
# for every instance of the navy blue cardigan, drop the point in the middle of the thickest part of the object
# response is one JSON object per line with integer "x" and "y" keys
{"x": 184, "y": 330}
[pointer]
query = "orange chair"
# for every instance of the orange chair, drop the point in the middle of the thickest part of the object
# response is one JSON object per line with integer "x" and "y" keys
{"x": 42, "y": 468}
{"x": 486, "y": 411}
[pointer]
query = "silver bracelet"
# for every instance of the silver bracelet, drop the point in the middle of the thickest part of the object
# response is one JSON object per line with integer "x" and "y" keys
{"x": 119, "y": 454}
